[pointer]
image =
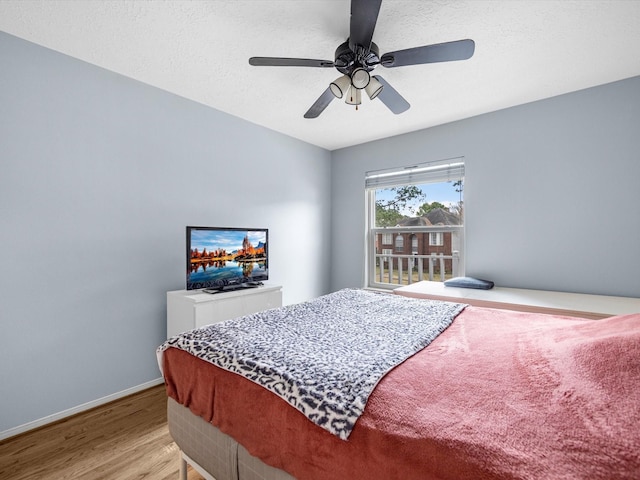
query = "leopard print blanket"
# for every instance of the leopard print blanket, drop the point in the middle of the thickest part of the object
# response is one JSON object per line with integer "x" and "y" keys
{"x": 324, "y": 356}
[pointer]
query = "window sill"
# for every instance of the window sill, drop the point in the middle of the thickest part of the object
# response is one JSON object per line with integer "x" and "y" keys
{"x": 537, "y": 301}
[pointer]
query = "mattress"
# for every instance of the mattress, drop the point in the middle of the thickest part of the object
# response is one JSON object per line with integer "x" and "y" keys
{"x": 498, "y": 395}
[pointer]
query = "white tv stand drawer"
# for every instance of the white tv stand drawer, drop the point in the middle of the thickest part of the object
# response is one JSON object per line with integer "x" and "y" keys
{"x": 539, "y": 301}
{"x": 188, "y": 309}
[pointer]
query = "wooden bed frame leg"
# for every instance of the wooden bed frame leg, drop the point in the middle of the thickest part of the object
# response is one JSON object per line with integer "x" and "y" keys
{"x": 183, "y": 467}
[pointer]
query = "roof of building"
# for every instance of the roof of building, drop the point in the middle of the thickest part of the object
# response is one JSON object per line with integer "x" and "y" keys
{"x": 437, "y": 216}
{"x": 414, "y": 222}
{"x": 440, "y": 216}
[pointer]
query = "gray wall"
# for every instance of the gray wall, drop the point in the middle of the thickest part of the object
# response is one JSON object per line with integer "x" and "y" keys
{"x": 551, "y": 192}
{"x": 99, "y": 175}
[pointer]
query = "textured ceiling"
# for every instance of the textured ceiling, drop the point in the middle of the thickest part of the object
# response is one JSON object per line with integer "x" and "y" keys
{"x": 525, "y": 51}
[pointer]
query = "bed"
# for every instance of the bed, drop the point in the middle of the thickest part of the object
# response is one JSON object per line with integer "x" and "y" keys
{"x": 472, "y": 393}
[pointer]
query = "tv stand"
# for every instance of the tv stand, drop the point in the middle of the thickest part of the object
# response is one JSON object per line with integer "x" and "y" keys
{"x": 188, "y": 309}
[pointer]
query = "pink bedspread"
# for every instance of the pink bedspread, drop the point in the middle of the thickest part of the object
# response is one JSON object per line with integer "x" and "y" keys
{"x": 498, "y": 395}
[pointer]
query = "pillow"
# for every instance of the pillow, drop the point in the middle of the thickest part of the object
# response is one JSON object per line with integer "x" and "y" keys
{"x": 469, "y": 282}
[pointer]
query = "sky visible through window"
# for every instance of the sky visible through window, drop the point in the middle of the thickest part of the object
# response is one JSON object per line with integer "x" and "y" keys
{"x": 444, "y": 192}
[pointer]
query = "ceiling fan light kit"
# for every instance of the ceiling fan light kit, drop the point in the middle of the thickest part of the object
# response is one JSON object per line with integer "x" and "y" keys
{"x": 358, "y": 56}
{"x": 374, "y": 88}
{"x": 354, "y": 97}
{"x": 340, "y": 86}
{"x": 360, "y": 78}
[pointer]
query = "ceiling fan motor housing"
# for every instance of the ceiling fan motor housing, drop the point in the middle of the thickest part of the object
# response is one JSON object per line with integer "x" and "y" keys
{"x": 346, "y": 60}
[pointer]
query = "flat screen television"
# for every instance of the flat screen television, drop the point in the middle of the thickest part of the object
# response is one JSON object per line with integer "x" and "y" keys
{"x": 220, "y": 259}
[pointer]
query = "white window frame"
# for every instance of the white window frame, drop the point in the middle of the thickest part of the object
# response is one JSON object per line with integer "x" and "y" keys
{"x": 398, "y": 243}
{"x": 436, "y": 239}
{"x": 432, "y": 172}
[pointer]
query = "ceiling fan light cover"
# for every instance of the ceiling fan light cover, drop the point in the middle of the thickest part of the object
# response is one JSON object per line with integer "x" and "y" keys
{"x": 340, "y": 86}
{"x": 354, "y": 96}
{"x": 360, "y": 78}
{"x": 374, "y": 88}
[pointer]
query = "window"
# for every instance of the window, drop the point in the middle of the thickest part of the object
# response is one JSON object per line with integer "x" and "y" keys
{"x": 424, "y": 204}
{"x": 436, "y": 239}
{"x": 399, "y": 243}
{"x": 414, "y": 244}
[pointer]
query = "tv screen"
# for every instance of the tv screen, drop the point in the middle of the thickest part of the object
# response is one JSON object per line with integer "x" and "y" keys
{"x": 226, "y": 258}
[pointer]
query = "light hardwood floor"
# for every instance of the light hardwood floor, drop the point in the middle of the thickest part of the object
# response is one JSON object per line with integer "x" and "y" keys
{"x": 124, "y": 440}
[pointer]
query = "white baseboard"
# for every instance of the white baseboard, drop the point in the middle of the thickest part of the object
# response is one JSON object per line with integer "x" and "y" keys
{"x": 80, "y": 408}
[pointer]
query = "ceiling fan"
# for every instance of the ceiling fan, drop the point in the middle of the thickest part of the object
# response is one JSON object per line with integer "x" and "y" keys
{"x": 358, "y": 56}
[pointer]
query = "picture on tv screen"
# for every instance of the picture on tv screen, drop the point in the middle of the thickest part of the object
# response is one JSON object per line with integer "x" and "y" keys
{"x": 221, "y": 258}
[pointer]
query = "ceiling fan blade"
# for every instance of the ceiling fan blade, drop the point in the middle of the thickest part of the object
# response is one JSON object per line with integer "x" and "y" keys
{"x": 364, "y": 15}
{"x": 391, "y": 98}
{"x": 439, "y": 52}
{"x": 288, "y": 62}
{"x": 320, "y": 104}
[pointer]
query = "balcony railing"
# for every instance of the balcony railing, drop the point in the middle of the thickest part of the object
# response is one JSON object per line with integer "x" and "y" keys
{"x": 390, "y": 267}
